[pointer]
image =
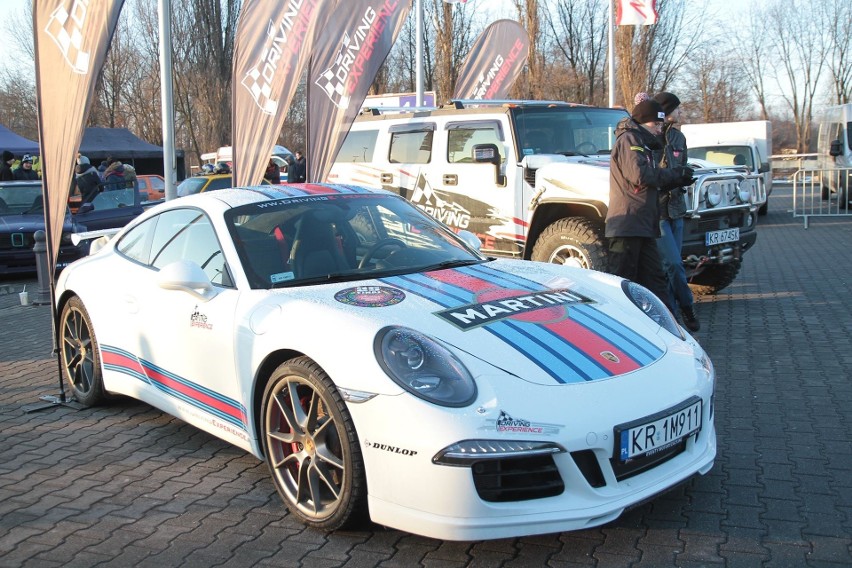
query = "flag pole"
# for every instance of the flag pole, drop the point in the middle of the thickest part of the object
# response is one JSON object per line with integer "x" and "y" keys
{"x": 611, "y": 53}
{"x": 166, "y": 97}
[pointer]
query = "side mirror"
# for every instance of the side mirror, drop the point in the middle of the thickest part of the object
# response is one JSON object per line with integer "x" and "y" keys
{"x": 470, "y": 240}
{"x": 836, "y": 148}
{"x": 488, "y": 154}
{"x": 764, "y": 167}
{"x": 186, "y": 276}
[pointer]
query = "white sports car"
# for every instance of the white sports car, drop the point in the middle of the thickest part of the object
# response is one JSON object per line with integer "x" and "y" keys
{"x": 383, "y": 368}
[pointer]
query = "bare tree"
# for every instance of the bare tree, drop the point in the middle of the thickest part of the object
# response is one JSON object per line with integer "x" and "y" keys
{"x": 648, "y": 58}
{"x": 529, "y": 15}
{"x": 839, "y": 32}
{"x": 799, "y": 53}
{"x": 753, "y": 49}
{"x": 579, "y": 49}
{"x": 717, "y": 91}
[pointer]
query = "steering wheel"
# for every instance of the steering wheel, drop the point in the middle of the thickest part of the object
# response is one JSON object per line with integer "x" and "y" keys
{"x": 582, "y": 145}
{"x": 382, "y": 243}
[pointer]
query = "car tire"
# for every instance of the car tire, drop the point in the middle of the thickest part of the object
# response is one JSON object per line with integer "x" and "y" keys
{"x": 764, "y": 209}
{"x": 311, "y": 447}
{"x": 573, "y": 241}
{"x": 714, "y": 278}
{"x": 80, "y": 354}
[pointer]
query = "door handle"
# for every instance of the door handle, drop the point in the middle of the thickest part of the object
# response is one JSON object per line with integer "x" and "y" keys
{"x": 387, "y": 178}
{"x": 451, "y": 179}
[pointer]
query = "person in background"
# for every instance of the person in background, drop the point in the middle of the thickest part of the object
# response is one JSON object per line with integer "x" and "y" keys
{"x": 273, "y": 172}
{"x": 672, "y": 212}
{"x": 6, "y": 167}
{"x": 114, "y": 174}
{"x": 88, "y": 179}
{"x": 633, "y": 219}
{"x": 25, "y": 171}
{"x": 639, "y": 97}
{"x": 102, "y": 168}
{"x": 300, "y": 169}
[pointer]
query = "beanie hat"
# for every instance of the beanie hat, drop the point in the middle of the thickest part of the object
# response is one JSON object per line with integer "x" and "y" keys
{"x": 648, "y": 111}
{"x": 27, "y": 158}
{"x": 640, "y": 96}
{"x": 7, "y": 155}
{"x": 668, "y": 101}
{"x": 82, "y": 161}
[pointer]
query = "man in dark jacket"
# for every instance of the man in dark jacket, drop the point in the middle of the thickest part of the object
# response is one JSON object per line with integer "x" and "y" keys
{"x": 299, "y": 167}
{"x": 88, "y": 179}
{"x": 672, "y": 212}
{"x": 25, "y": 171}
{"x": 633, "y": 219}
{"x": 6, "y": 166}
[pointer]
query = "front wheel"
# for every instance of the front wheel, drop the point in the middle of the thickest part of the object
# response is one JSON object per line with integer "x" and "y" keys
{"x": 574, "y": 241}
{"x": 80, "y": 354}
{"x": 312, "y": 448}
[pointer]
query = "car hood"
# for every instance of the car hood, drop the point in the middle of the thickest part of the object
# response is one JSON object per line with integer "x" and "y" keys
{"x": 543, "y": 323}
{"x": 27, "y": 223}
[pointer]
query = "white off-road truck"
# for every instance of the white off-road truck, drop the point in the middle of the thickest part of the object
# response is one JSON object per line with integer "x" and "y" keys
{"x": 531, "y": 180}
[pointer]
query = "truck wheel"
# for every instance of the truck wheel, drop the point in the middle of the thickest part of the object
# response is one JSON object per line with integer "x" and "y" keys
{"x": 714, "y": 278}
{"x": 575, "y": 241}
{"x": 764, "y": 209}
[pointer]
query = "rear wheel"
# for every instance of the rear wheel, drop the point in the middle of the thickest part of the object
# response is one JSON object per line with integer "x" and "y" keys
{"x": 714, "y": 278}
{"x": 312, "y": 448}
{"x": 575, "y": 241}
{"x": 81, "y": 357}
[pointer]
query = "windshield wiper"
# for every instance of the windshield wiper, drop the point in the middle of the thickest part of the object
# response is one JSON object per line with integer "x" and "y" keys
{"x": 319, "y": 279}
{"x": 452, "y": 264}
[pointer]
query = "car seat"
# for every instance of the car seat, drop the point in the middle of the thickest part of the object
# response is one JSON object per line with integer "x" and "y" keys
{"x": 316, "y": 249}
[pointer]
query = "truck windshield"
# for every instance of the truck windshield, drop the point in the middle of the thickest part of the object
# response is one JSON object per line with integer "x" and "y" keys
{"x": 566, "y": 130}
{"x": 724, "y": 155}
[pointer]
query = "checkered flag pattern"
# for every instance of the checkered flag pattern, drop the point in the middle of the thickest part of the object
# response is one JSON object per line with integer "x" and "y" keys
{"x": 260, "y": 91}
{"x": 63, "y": 28}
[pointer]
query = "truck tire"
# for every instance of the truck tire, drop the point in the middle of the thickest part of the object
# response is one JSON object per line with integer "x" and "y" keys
{"x": 714, "y": 278}
{"x": 575, "y": 241}
{"x": 764, "y": 209}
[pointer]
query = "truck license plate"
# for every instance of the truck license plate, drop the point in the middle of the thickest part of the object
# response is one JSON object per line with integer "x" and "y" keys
{"x": 723, "y": 236}
{"x": 659, "y": 432}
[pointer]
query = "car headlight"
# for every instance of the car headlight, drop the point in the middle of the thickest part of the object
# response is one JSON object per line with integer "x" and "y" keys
{"x": 745, "y": 191}
{"x": 424, "y": 367}
{"x": 651, "y": 306}
{"x": 713, "y": 192}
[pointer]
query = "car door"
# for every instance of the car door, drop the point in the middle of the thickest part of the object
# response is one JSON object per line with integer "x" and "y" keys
{"x": 110, "y": 209}
{"x": 493, "y": 206}
{"x": 185, "y": 342}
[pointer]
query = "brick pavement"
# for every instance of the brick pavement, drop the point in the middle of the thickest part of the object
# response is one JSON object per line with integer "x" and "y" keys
{"x": 127, "y": 485}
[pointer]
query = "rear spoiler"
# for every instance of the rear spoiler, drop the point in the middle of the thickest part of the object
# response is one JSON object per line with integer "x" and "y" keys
{"x": 95, "y": 240}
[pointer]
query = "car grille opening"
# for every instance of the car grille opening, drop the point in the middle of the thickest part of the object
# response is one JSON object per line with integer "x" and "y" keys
{"x": 589, "y": 466}
{"x": 636, "y": 466}
{"x": 517, "y": 479}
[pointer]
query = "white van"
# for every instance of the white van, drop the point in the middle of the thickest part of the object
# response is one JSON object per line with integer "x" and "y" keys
{"x": 834, "y": 146}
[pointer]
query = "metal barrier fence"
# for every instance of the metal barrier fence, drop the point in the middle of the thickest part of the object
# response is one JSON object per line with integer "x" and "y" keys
{"x": 820, "y": 192}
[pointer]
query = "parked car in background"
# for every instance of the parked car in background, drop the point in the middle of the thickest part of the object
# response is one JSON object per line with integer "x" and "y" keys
{"x": 384, "y": 368}
{"x": 153, "y": 186}
{"x": 21, "y": 215}
{"x": 202, "y": 183}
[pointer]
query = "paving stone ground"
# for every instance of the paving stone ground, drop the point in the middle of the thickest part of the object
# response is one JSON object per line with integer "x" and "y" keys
{"x": 128, "y": 485}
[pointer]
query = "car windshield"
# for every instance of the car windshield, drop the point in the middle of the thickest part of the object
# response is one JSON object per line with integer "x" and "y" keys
{"x": 724, "y": 155}
{"x": 18, "y": 198}
{"x": 191, "y": 185}
{"x": 568, "y": 130}
{"x": 335, "y": 238}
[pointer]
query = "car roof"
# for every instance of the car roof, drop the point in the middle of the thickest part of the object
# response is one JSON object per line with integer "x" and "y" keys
{"x": 235, "y": 197}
